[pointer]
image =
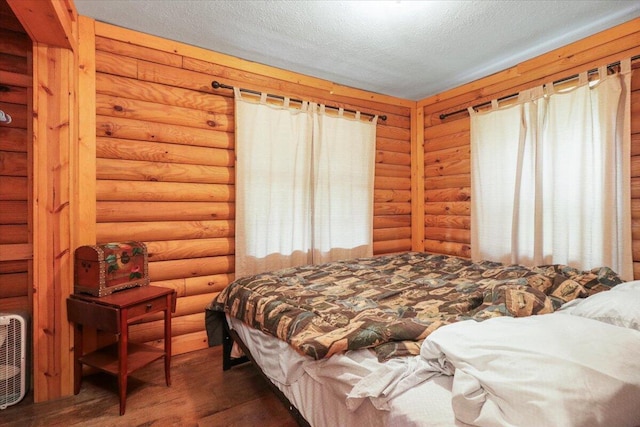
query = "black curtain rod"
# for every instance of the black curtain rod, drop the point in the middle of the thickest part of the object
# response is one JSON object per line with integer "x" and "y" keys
{"x": 513, "y": 95}
{"x": 217, "y": 85}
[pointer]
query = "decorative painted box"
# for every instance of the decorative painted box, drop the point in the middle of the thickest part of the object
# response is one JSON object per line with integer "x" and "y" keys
{"x": 102, "y": 269}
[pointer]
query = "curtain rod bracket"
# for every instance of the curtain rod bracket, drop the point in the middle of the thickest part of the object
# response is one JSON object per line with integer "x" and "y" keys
{"x": 217, "y": 85}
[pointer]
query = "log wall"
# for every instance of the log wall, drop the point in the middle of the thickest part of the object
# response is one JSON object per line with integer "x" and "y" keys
{"x": 37, "y": 162}
{"x": 16, "y": 249}
{"x": 447, "y": 179}
{"x": 164, "y": 154}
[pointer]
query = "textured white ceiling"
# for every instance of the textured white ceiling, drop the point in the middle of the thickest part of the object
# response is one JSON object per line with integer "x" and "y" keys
{"x": 407, "y": 49}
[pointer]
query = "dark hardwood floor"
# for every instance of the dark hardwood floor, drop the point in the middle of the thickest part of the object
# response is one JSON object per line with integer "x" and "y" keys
{"x": 201, "y": 394}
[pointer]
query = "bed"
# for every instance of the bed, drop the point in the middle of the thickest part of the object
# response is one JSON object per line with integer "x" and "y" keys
{"x": 435, "y": 340}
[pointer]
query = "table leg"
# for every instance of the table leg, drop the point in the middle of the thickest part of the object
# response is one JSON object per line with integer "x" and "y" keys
{"x": 122, "y": 389}
{"x": 167, "y": 340}
{"x": 123, "y": 342}
{"x": 77, "y": 354}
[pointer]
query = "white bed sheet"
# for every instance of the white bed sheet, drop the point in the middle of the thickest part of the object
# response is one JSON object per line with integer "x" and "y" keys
{"x": 319, "y": 388}
{"x": 555, "y": 369}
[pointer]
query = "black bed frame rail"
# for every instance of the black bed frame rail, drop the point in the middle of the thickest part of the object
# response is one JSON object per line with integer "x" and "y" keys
{"x": 227, "y": 344}
{"x": 229, "y": 337}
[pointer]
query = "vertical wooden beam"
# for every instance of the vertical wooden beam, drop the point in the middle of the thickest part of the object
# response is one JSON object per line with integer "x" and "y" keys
{"x": 84, "y": 190}
{"x": 84, "y": 176}
{"x": 417, "y": 178}
{"x": 53, "y": 105}
{"x": 30, "y": 189}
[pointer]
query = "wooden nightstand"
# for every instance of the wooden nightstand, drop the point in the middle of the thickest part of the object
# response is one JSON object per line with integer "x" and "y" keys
{"x": 113, "y": 313}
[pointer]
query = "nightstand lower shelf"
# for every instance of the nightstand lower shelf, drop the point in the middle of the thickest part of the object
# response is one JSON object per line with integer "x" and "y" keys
{"x": 106, "y": 359}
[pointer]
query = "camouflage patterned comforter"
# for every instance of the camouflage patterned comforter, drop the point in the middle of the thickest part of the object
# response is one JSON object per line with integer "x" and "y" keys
{"x": 391, "y": 303}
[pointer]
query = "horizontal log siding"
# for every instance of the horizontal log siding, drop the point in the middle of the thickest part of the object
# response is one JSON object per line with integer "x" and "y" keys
{"x": 447, "y": 142}
{"x": 16, "y": 250}
{"x": 165, "y": 167}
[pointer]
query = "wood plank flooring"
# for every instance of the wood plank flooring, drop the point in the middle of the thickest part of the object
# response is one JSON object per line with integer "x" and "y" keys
{"x": 201, "y": 394}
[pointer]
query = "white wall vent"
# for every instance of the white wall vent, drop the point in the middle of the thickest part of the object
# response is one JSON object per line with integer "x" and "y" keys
{"x": 13, "y": 366}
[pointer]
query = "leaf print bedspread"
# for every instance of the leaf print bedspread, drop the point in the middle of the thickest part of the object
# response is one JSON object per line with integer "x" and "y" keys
{"x": 391, "y": 303}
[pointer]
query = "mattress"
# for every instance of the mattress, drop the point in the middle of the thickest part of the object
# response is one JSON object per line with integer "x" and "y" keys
{"x": 317, "y": 388}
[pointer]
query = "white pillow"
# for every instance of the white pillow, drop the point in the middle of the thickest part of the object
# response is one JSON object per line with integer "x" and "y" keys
{"x": 620, "y": 308}
{"x": 628, "y": 286}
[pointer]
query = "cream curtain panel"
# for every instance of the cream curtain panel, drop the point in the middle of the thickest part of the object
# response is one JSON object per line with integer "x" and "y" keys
{"x": 343, "y": 164}
{"x": 551, "y": 177}
{"x": 304, "y": 185}
{"x": 273, "y": 208}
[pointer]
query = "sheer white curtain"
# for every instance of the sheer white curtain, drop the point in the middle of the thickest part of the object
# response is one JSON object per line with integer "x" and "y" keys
{"x": 551, "y": 177}
{"x": 344, "y": 158}
{"x": 304, "y": 186}
{"x": 273, "y": 180}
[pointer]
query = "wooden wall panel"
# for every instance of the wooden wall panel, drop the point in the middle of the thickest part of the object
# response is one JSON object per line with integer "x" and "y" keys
{"x": 54, "y": 143}
{"x": 15, "y": 170}
{"x": 447, "y": 180}
{"x": 37, "y": 156}
{"x": 165, "y": 163}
